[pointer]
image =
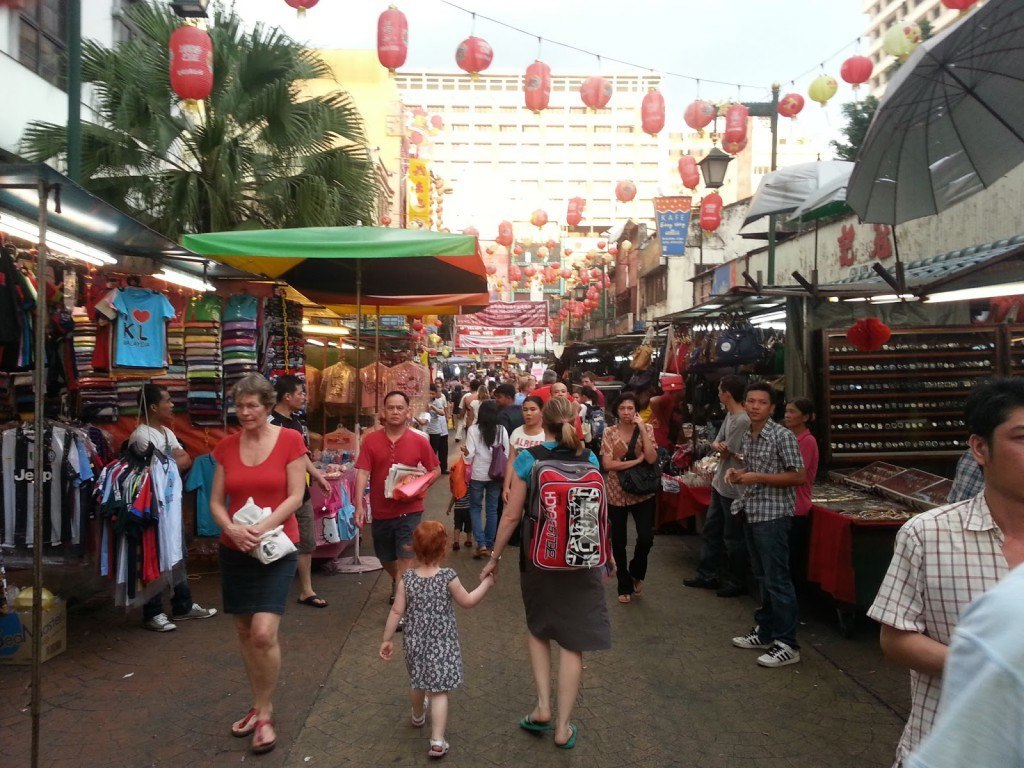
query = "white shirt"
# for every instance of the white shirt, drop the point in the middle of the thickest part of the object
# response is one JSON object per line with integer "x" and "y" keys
{"x": 480, "y": 453}
{"x": 520, "y": 441}
{"x": 438, "y": 421}
{"x": 162, "y": 438}
{"x": 981, "y": 714}
{"x": 944, "y": 559}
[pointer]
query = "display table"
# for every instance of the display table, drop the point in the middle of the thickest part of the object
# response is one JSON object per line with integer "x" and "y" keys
{"x": 848, "y": 557}
{"x": 689, "y": 502}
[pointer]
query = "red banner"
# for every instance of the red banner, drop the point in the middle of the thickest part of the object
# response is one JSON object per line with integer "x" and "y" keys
{"x": 501, "y": 314}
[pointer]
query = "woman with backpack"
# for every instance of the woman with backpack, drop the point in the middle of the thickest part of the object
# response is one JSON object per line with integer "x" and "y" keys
{"x": 628, "y": 445}
{"x": 563, "y": 605}
{"x": 486, "y": 452}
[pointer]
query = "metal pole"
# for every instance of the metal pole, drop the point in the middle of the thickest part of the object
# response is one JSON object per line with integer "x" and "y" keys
{"x": 774, "y": 118}
{"x": 38, "y": 464}
{"x": 359, "y": 328}
{"x": 376, "y": 365}
{"x": 74, "y": 131}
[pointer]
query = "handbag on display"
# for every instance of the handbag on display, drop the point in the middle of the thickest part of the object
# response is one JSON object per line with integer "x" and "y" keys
{"x": 643, "y": 479}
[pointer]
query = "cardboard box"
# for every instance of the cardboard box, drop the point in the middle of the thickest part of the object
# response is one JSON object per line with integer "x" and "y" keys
{"x": 16, "y": 634}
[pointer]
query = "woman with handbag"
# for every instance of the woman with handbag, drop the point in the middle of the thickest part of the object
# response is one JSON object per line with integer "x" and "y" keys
{"x": 486, "y": 451}
{"x": 267, "y": 464}
{"x": 629, "y": 455}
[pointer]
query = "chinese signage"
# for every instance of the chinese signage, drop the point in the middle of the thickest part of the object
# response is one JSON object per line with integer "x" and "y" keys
{"x": 673, "y": 220}
{"x": 418, "y": 194}
{"x": 500, "y": 314}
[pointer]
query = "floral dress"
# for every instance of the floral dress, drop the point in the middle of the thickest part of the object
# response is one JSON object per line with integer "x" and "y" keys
{"x": 431, "y": 638}
{"x": 614, "y": 447}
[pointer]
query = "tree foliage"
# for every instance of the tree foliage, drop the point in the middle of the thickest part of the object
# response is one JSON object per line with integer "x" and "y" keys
{"x": 858, "y": 116}
{"x": 259, "y": 154}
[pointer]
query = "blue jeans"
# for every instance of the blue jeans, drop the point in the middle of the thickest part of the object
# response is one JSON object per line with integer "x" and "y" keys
{"x": 484, "y": 528}
{"x": 769, "y": 560}
{"x": 723, "y": 538}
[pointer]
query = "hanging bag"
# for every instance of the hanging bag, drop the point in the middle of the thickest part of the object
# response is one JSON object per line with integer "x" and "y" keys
{"x": 643, "y": 479}
{"x": 499, "y": 459}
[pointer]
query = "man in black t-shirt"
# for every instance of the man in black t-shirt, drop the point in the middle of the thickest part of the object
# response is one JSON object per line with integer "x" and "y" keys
{"x": 291, "y": 397}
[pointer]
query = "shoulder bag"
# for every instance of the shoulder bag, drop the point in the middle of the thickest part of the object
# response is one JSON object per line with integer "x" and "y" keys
{"x": 643, "y": 479}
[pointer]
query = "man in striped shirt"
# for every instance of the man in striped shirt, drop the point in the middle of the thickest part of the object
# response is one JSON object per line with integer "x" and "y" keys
{"x": 947, "y": 557}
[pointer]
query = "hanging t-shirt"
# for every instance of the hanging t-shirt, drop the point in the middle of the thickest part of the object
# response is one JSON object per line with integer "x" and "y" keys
{"x": 241, "y": 306}
{"x": 140, "y": 336}
{"x": 204, "y": 308}
{"x": 200, "y": 479}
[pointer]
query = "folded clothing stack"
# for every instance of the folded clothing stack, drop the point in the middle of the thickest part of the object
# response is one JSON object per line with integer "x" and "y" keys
{"x": 204, "y": 372}
{"x": 238, "y": 343}
{"x": 97, "y": 399}
{"x": 84, "y": 342}
{"x": 174, "y": 379}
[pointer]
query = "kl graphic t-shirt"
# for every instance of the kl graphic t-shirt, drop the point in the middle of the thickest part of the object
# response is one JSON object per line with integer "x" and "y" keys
{"x": 140, "y": 339}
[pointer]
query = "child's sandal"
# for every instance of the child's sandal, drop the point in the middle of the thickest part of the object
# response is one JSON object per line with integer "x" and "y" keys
{"x": 437, "y": 748}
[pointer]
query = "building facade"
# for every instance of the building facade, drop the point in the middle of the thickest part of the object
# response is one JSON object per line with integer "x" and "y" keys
{"x": 882, "y": 14}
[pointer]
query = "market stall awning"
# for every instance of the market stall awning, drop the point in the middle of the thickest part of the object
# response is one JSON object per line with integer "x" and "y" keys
{"x": 83, "y": 216}
{"x": 322, "y": 262}
{"x": 445, "y": 304}
{"x": 784, "y": 190}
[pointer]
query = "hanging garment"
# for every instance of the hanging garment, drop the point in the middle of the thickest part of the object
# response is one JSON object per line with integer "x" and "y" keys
{"x": 338, "y": 384}
{"x": 200, "y": 479}
{"x": 140, "y": 329}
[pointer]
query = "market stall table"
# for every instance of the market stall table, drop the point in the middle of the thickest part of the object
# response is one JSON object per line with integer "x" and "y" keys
{"x": 692, "y": 500}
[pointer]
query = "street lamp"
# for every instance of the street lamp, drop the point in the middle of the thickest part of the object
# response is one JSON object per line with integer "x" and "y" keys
{"x": 713, "y": 168}
{"x": 190, "y": 9}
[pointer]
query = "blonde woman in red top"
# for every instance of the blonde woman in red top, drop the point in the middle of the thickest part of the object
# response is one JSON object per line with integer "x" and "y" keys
{"x": 268, "y": 464}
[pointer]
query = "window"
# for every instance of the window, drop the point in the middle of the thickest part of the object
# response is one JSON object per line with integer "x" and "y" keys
{"x": 625, "y": 129}
{"x": 656, "y": 287}
{"x": 42, "y": 38}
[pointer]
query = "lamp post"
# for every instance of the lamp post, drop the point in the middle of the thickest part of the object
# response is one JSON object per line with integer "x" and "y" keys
{"x": 190, "y": 9}
{"x": 713, "y": 168}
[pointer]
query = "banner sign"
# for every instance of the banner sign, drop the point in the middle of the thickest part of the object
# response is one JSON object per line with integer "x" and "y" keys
{"x": 485, "y": 339}
{"x": 503, "y": 314}
{"x": 673, "y": 221}
{"x": 418, "y": 193}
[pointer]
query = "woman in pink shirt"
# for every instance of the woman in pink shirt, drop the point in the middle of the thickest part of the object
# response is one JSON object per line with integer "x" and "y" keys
{"x": 799, "y": 414}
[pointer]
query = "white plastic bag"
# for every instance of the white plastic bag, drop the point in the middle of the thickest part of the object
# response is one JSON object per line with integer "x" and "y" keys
{"x": 273, "y": 546}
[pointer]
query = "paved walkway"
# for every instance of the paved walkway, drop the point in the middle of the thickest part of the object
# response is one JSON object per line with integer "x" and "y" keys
{"x": 672, "y": 691}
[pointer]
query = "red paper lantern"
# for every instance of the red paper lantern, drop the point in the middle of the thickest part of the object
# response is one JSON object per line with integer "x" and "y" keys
{"x": 474, "y": 55}
{"x": 601, "y": 244}
{"x": 392, "y": 39}
{"x": 688, "y": 171}
{"x": 959, "y": 5}
{"x": 490, "y": 249}
{"x": 607, "y": 282}
{"x": 734, "y": 147}
{"x": 652, "y": 112}
{"x": 537, "y": 86}
{"x": 515, "y": 273}
{"x": 385, "y": 220}
{"x": 857, "y": 70}
{"x": 504, "y": 234}
{"x": 491, "y": 269}
{"x": 791, "y": 105}
{"x": 555, "y": 266}
{"x": 539, "y": 218}
{"x": 551, "y": 245}
{"x": 566, "y": 273}
{"x": 417, "y": 325}
{"x": 596, "y": 92}
{"x": 868, "y": 334}
{"x": 302, "y": 5}
{"x": 437, "y": 122}
{"x": 574, "y": 215}
{"x": 471, "y": 231}
{"x": 567, "y": 251}
{"x": 736, "y": 116}
{"x": 699, "y": 114}
{"x": 529, "y": 270}
{"x": 191, "y": 63}
{"x": 595, "y": 274}
{"x": 711, "y": 212}
{"x": 518, "y": 250}
{"x": 613, "y": 251}
{"x": 625, "y": 191}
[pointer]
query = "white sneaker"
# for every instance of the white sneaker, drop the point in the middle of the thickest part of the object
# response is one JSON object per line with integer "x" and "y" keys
{"x": 751, "y": 641}
{"x": 779, "y": 655}
{"x": 160, "y": 623}
{"x": 196, "y": 612}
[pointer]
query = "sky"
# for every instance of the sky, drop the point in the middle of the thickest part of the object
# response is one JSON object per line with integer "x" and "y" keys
{"x": 751, "y": 42}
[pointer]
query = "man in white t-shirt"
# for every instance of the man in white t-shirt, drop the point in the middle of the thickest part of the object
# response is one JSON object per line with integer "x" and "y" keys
{"x": 437, "y": 427}
{"x": 157, "y": 412}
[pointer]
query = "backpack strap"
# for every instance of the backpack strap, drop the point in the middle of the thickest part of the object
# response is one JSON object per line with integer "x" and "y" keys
{"x": 631, "y": 450}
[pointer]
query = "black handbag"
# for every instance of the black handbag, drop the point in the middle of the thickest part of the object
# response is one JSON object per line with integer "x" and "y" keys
{"x": 643, "y": 479}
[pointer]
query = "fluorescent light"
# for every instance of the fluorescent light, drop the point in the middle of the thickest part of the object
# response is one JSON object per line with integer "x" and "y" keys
{"x": 892, "y": 298}
{"x": 856, "y": 299}
{"x": 770, "y": 317}
{"x": 183, "y": 279}
{"x": 325, "y": 330}
{"x": 982, "y": 292}
{"x": 333, "y": 344}
{"x": 55, "y": 241}
{"x": 314, "y": 342}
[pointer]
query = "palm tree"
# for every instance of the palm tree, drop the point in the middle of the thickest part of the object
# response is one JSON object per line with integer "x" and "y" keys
{"x": 258, "y": 154}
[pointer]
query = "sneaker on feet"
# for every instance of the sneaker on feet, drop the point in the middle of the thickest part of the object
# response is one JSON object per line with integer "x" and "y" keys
{"x": 752, "y": 641}
{"x": 160, "y": 623}
{"x": 196, "y": 612}
{"x": 700, "y": 582}
{"x": 779, "y": 655}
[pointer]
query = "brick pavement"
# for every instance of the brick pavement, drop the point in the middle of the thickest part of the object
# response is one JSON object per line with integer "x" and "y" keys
{"x": 672, "y": 691}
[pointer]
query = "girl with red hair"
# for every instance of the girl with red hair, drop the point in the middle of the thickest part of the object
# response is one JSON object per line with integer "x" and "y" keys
{"x": 433, "y": 657}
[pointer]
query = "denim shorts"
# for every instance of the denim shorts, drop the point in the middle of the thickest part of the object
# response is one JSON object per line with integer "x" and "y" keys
{"x": 392, "y": 538}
